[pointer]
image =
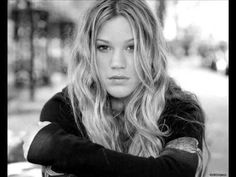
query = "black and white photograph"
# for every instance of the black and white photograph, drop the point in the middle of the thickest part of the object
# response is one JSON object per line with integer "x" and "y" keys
{"x": 117, "y": 88}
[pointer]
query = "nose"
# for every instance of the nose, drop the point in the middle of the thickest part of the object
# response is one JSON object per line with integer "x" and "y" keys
{"x": 118, "y": 60}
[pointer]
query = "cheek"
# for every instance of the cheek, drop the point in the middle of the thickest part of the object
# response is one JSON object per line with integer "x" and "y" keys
{"x": 133, "y": 73}
{"x": 136, "y": 81}
{"x": 132, "y": 70}
{"x": 102, "y": 66}
{"x": 102, "y": 60}
{"x": 99, "y": 61}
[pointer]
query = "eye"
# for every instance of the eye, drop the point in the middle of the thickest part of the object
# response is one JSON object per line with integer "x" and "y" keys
{"x": 103, "y": 48}
{"x": 130, "y": 48}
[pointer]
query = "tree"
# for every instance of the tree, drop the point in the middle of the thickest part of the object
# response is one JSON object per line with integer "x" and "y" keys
{"x": 161, "y": 9}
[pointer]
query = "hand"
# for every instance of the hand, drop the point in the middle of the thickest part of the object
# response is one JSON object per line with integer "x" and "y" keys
{"x": 28, "y": 138}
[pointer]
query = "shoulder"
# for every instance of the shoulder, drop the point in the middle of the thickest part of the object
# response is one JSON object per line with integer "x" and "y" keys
{"x": 183, "y": 102}
{"x": 58, "y": 109}
{"x": 55, "y": 104}
{"x": 183, "y": 114}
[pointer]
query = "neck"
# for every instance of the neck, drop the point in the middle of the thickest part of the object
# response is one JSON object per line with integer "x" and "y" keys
{"x": 117, "y": 104}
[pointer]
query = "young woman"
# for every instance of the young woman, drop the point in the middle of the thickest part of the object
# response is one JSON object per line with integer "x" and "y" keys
{"x": 121, "y": 114}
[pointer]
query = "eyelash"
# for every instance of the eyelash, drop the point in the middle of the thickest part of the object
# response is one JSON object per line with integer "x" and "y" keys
{"x": 131, "y": 47}
{"x": 104, "y": 48}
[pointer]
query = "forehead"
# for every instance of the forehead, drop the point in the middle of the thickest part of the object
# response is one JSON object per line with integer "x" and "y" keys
{"x": 117, "y": 28}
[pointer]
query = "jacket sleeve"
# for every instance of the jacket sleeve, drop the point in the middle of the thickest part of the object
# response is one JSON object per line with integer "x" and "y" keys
{"x": 58, "y": 110}
{"x": 61, "y": 146}
{"x": 71, "y": 154}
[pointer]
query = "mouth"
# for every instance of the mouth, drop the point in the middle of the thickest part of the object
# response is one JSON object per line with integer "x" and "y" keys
{"x": 118, "y": 78}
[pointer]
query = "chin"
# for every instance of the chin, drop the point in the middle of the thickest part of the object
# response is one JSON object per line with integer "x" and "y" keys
{"x": 119, "y": 93}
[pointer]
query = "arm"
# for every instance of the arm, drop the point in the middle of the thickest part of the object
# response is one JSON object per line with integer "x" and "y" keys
{"x": 70, "y": 153}
{"x": 58, "y": 110}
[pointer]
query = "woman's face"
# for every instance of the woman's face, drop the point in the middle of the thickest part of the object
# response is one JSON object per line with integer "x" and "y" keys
{"x": 115, "y": 57}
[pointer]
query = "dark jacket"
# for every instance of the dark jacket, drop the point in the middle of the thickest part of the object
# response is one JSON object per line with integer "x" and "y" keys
{"x": 61, "y": 146}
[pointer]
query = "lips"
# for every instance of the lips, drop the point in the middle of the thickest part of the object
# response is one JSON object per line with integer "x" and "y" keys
{"x": 118, "y": 78}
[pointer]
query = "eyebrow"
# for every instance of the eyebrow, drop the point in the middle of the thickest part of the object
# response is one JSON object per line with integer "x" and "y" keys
{"x": 103, "y": 40}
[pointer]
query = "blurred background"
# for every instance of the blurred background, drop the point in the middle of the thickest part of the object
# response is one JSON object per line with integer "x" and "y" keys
{"x": 40, "y": 33}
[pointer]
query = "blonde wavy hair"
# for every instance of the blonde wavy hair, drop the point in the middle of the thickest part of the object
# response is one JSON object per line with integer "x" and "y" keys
{"x": 90, "y": 101}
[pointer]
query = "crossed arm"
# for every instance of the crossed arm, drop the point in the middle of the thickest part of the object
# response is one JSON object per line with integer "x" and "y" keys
{"x": 57, "y": 145}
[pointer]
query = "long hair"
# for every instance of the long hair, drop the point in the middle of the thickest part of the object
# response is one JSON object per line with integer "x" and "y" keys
{"x": 137, "y": 132}
{"x": 89, "y": 97}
